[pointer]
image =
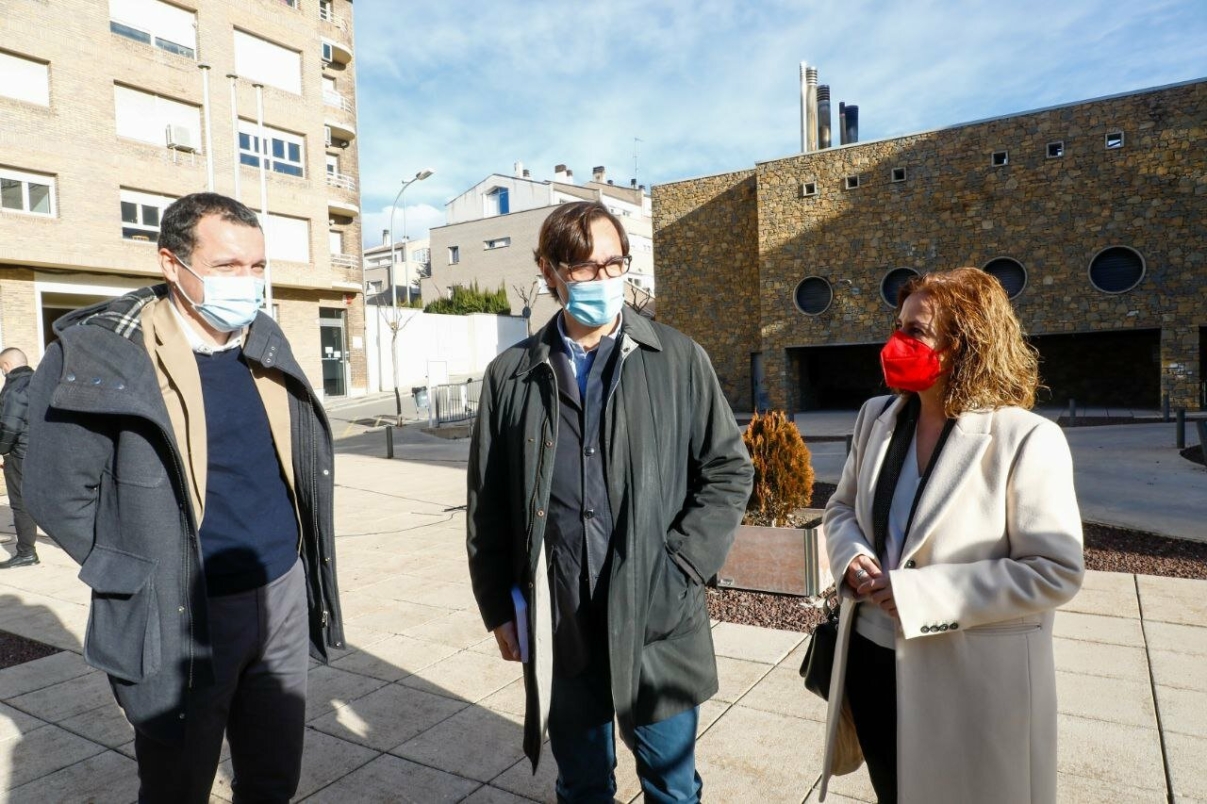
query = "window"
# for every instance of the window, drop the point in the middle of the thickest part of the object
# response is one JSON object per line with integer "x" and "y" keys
{"x": 1114, "y": 140}
{"x": 287, "y": 238}
{"x": 423, "y": 255}
{"x": 1116, "y": 269}
{"x": 141, "y": 213}
{"x": 335, "y": 241}
{"x": 154, "y": 23}
{"x": 259, "y": 60}
{"x": 899, "y": 175}
{"x": 1056, "y": 150}
{"x": 159, "y": 121}
{"x": 813, "y": 295}
{"x": 892, "y": 282}
{"x": 332, "y": 165}
{"x": 27, "y": 192}
{"x": 808, "y": 189}
{"x": 1010, "y": 273}
{"x": 852, "y": 182}
{"x": 454, "y": 255}
{"x": 286, "y": 153}
{"x": 1000, "y": 158}
{"x": 24, "y": 79}
{"x": 498, "y": 242}
{"x": 496, "y": 202}
{"x": 328, "y": 53}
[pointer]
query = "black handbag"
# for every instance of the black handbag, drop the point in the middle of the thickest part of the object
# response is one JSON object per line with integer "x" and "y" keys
{"x": 819, "y": 656}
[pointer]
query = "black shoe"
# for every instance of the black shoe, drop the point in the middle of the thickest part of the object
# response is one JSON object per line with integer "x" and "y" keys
{"x": 20, "y": 561}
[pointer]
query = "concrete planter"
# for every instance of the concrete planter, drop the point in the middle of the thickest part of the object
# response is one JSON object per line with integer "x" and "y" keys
{"x": 786, "y": 561}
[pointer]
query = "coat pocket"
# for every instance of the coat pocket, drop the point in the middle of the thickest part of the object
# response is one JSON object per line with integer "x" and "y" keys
{"x": 123, "y": 637}
{"x": 671, "y": 603}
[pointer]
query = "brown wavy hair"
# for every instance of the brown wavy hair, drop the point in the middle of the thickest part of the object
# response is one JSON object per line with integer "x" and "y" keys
{"x": 991, "y": 363}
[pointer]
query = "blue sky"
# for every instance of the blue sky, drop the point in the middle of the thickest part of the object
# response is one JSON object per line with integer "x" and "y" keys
{"x": 469, "y": 88}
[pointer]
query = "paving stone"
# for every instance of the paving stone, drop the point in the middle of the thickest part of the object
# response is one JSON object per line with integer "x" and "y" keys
{"x": 1100, "y": 659}
{"x": 466, "y": 676}
{"x": 45, "y": 672}
{"x": 106, "y": 725}
{"x": 108, "y": 777}
{"x": 1072, "y": 789}
{"x": 1176, "y": 638}
{"x": 493, "y": 795}
{"x": 14, "y": 723}
{"x": 1187, "y": 770}
{"x": 477, "y": 743}
{"x": 448, "y": 571}
{"x": 1113, "y": 699}
{"x": 325, "y": 759}
{"x": 331, "y": 688}
{"x": 360, "y": 603}
{"x": 783, "y": 691}
{"x": 519, "y": 779}
{"x": 394, "y": 657}
{"x": 399, "y": 617}
{"x": 1183, "y": 670}
{"x": 1173, "y": 600}
{"x": 388, "y": 717}
{"x": 753, "y": 644}
{"x": 67, "y": 698}
{"x": 413, "y": 589}
{"x": 750, "y": 755}
{"x": 710, "y": 713}
{"x": 855, "y": 786}
{"x": 461, "y": 629}
{"x": 1109, "y": 581}
{"x": 1097, "y": 628}
{"x": 393, "y": 780}
{"x": 41, "y": 752}
{"x": 1183, "y": 711}
{"x": 736, "y": 677}
{"x": 511, "y": 699}
{"x": 1107, "y": 602}
{"x": 1113, "y": 752}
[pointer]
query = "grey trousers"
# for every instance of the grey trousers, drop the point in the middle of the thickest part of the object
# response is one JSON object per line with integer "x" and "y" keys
{"x": 27, "y": 531}
{"x": 261, "y": 657}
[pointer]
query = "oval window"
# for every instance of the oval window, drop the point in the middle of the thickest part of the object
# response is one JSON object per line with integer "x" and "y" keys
{"x": 813, "y": 295}
{"x": 1010, "y": 273}
{"x": 1116, "y": 269}
{"x": 892, "y": 282}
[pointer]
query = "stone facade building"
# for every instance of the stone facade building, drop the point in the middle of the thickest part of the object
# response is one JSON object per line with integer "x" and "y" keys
{"x": 1093, "y": 215}
{"x": 105, "y": 119}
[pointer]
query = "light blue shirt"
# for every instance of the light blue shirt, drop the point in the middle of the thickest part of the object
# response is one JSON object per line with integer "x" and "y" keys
{"x": 580, "y": 359}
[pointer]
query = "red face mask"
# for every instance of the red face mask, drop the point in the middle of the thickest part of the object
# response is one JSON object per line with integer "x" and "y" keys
{"x": 909, "y": 364}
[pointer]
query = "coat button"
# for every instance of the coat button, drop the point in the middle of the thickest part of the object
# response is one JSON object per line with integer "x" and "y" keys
{"x": 911, "y": 564}
{"x": 589, "y": 513}
{"x": 70, "y": 378}
{"x": 943, "y": 627}
{"x": 954, "y": 626}
{"x": 96, "y": 380}
{"x": 548, "y": 443}
{"x": 326, "y": 472}
{"x": 180, "y": 609}
{"x": 540, "y": 512}
{"x": 589, "y": 451}
{"x": 926, "y": 629}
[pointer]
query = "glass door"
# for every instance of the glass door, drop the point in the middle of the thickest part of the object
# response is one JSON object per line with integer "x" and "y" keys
{"x": 335, "y": 353}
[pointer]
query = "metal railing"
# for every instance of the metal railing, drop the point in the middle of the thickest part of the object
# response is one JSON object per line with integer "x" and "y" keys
{"x": 341, "y": 180}
{"x": 336, "y": 100}
{"x": 456, "y": 402}
{"x": 345, "y": 260}
{"x": 327, "y": 15}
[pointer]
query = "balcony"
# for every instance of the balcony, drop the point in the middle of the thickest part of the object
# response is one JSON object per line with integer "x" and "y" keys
{"x": 335, "y": 53}
{"x": 329, "y": 16}
{"x": 342, "y": 209}
{"x": 342, "y": 181}
{"x": 345, "y": 260}
{"x": 336, "y": 100}
{"x": 339, "y": 134}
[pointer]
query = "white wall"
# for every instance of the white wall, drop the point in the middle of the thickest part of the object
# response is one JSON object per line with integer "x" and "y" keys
{"x": 465, "y": 343}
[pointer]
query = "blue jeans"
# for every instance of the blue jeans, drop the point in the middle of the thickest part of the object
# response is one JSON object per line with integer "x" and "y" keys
{"x": 584, "y": 745}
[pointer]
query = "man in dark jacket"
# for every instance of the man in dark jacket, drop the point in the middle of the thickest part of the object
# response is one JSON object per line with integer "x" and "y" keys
{"x": 606, "y": 478}
{"x": 178, "y": 453}
{"x": 14, "y": 420}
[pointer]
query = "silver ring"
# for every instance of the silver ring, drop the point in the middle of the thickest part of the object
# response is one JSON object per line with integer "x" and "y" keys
{"x": 861, "y": 574}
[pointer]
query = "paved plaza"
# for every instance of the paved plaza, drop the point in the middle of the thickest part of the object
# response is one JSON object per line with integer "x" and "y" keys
{"x": 421, "y": 708}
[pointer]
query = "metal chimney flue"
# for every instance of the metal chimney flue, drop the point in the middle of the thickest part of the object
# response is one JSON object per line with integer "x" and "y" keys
{"x": 852, "y": 124}
{"x": 842, "y": 123}
{"x": 823, "y": 116}
{"x": 811, "y": 102}
{"x": 805, "y": 120}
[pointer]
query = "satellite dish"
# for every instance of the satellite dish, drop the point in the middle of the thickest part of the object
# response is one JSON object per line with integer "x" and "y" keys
{"x": 526, "y": 312}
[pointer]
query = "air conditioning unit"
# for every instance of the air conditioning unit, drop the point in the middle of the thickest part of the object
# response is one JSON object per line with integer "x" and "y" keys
{"x": 180, "y": 138}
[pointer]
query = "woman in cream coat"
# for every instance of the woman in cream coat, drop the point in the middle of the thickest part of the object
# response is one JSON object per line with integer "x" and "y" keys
{"x": 945, "y": 639}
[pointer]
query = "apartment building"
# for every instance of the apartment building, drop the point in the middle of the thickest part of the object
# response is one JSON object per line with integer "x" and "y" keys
{"x": 411, "y": 261}
{"x": 493, "y": 228}
{"x": 112, "y": 109}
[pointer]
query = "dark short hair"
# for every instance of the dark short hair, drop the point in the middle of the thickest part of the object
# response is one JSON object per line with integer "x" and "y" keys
{"x": 178, "y": 227}
{"x": 566, "y": 234}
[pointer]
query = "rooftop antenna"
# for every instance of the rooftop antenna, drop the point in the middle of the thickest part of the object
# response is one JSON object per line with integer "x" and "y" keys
{"x": 635, "y": 141}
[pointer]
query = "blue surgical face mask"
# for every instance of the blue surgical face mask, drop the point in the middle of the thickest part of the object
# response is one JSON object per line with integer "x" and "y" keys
{"x": 594, "y": 303}
{"x": 229, "y": 302}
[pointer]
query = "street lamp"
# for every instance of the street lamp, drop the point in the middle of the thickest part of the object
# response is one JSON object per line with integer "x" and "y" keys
{"x": 420, "y": 176}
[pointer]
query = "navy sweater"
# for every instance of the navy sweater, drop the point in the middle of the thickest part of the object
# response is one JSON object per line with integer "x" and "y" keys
{"x": 249, "y": 535}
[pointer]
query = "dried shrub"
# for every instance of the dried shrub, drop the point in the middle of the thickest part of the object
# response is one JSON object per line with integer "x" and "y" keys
{"x": 783, "y": 469}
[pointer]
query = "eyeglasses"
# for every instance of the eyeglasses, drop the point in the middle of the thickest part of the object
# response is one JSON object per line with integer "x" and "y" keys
{"x": 589, "y": 271}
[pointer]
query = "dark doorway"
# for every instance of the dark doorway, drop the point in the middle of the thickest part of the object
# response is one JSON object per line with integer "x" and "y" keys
{"x": 1202, "y": 368}
{"x": 837, "y": 377}
{"x": 1101, "y": 369}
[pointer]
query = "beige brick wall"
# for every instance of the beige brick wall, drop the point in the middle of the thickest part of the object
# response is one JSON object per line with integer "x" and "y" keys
{"x": 75, "y": 140}
{"x": 1052, "y": 215}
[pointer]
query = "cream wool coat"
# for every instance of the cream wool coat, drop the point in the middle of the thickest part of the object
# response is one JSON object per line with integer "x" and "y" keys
{"x": 994, "y": 548}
